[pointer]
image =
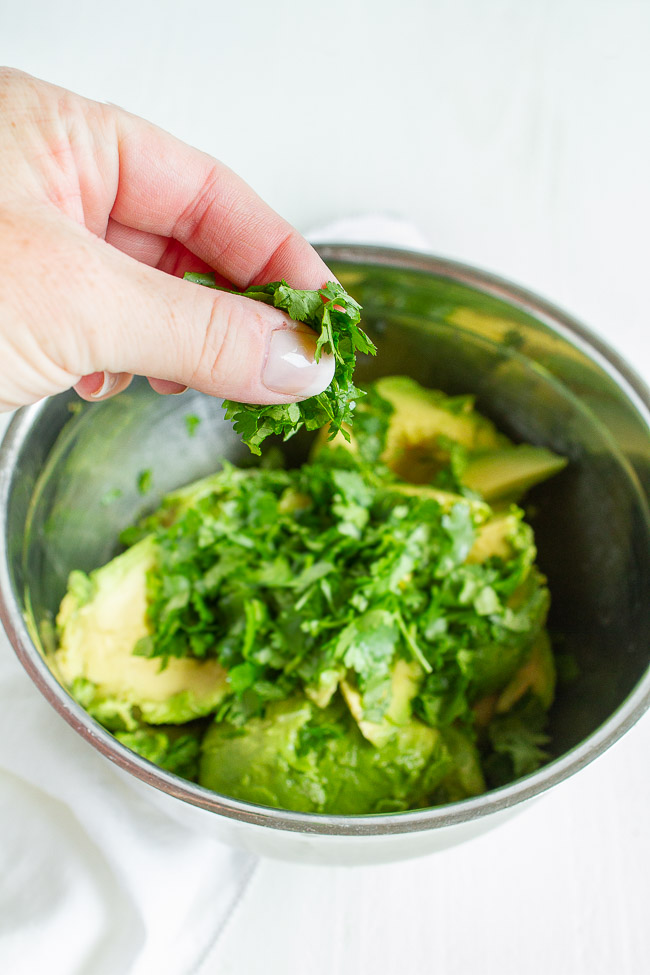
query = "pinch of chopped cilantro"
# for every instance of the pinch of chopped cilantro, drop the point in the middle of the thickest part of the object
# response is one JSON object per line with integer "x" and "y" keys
{"x": 334, "y": 316}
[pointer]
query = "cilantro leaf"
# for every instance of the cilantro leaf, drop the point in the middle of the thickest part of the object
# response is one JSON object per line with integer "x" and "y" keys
{"x": 517, "y": 739}
{"x": 169, "y": 749}
{"x": 144, "y": 481}
{"x": 192, "y": 422}
{"x": 334, "y": 316}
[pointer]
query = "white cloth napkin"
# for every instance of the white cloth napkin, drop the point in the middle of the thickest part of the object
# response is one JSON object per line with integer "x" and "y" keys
{"x": 98, "y": 878}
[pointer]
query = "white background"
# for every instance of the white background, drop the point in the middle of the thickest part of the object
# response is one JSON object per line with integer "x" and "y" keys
{"x": 515, "y": 135}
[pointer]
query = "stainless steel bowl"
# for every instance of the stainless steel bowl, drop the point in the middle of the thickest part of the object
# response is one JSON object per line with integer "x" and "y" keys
{"x": 537, "y": 373}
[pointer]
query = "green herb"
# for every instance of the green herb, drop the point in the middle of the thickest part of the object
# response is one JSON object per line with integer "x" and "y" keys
{"x": 314, "y": 736}
{"x": 170, "y": 750}
{"x": 371, "y": 422}
{"x": 287, "y": 576}
{"x": 334, "y": 316}
{"x": 517, "y": 739}
{"x": 192, "y": 423}
{"x": 144, "y": 481}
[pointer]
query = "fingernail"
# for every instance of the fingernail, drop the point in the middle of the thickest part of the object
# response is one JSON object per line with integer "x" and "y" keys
{"x": 166, "y": 387}
{"x": 290, "y": 365}
{"x": 109, "y": 382}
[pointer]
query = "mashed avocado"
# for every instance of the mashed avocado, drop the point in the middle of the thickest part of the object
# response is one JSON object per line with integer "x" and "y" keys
{"x": 363, "y": 633}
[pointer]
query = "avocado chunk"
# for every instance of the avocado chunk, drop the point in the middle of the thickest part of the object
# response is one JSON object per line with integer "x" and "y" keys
{"x": 322, "y": 692}
{"x": 100, "y": 620}
{"x": 502, "y": 536}
{"x": 466, "y": 778}
{"x": 536, "y": 675}
{"x": 422, "y": 420}
{"x": 309, "y": 760}
{"x": 422, "y": 424}
{"x": 507, "y": 474}
{"x": 406, "y": 678}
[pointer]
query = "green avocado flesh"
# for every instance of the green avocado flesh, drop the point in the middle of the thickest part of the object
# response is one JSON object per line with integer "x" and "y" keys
{"x": 280, "y": 760}
{"x": 365, "y": 633}
{"x": 100, "y": 620}
{"x": 507, "y": 474}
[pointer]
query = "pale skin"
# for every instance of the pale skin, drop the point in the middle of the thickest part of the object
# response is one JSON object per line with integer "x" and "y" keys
{"x": 101, "y": 213}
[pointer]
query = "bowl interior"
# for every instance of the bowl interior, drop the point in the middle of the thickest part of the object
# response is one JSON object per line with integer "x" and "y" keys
{"x": 75, "y": 481}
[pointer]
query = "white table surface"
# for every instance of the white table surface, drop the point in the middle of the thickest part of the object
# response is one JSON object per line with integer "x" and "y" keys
{"x": 516, "y": 136}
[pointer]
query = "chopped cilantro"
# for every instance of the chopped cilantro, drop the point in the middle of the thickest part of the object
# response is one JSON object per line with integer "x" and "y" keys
{"x": 334, "y": 316}
{"x": 192, "y": 423}
{"x": 517, "y": 739}
{"x": 144, "y": 481}
{"x": 175, "y": 752}
{"x": 285, "y": 576}
{"x": 313, "y": 736}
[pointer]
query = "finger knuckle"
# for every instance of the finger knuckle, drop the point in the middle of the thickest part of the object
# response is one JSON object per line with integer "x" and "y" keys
{"x": 219, "y": 331}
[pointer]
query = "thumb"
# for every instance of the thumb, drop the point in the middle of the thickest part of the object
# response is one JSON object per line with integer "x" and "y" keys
{"x": 150, "y": 323}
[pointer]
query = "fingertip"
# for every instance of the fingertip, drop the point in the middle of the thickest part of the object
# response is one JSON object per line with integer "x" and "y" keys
{"x": 166, "y": 387}
{"x": 102, "y": 385}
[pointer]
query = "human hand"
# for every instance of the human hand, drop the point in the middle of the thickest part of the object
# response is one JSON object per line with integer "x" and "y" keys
{"x": 100, "y": 213}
